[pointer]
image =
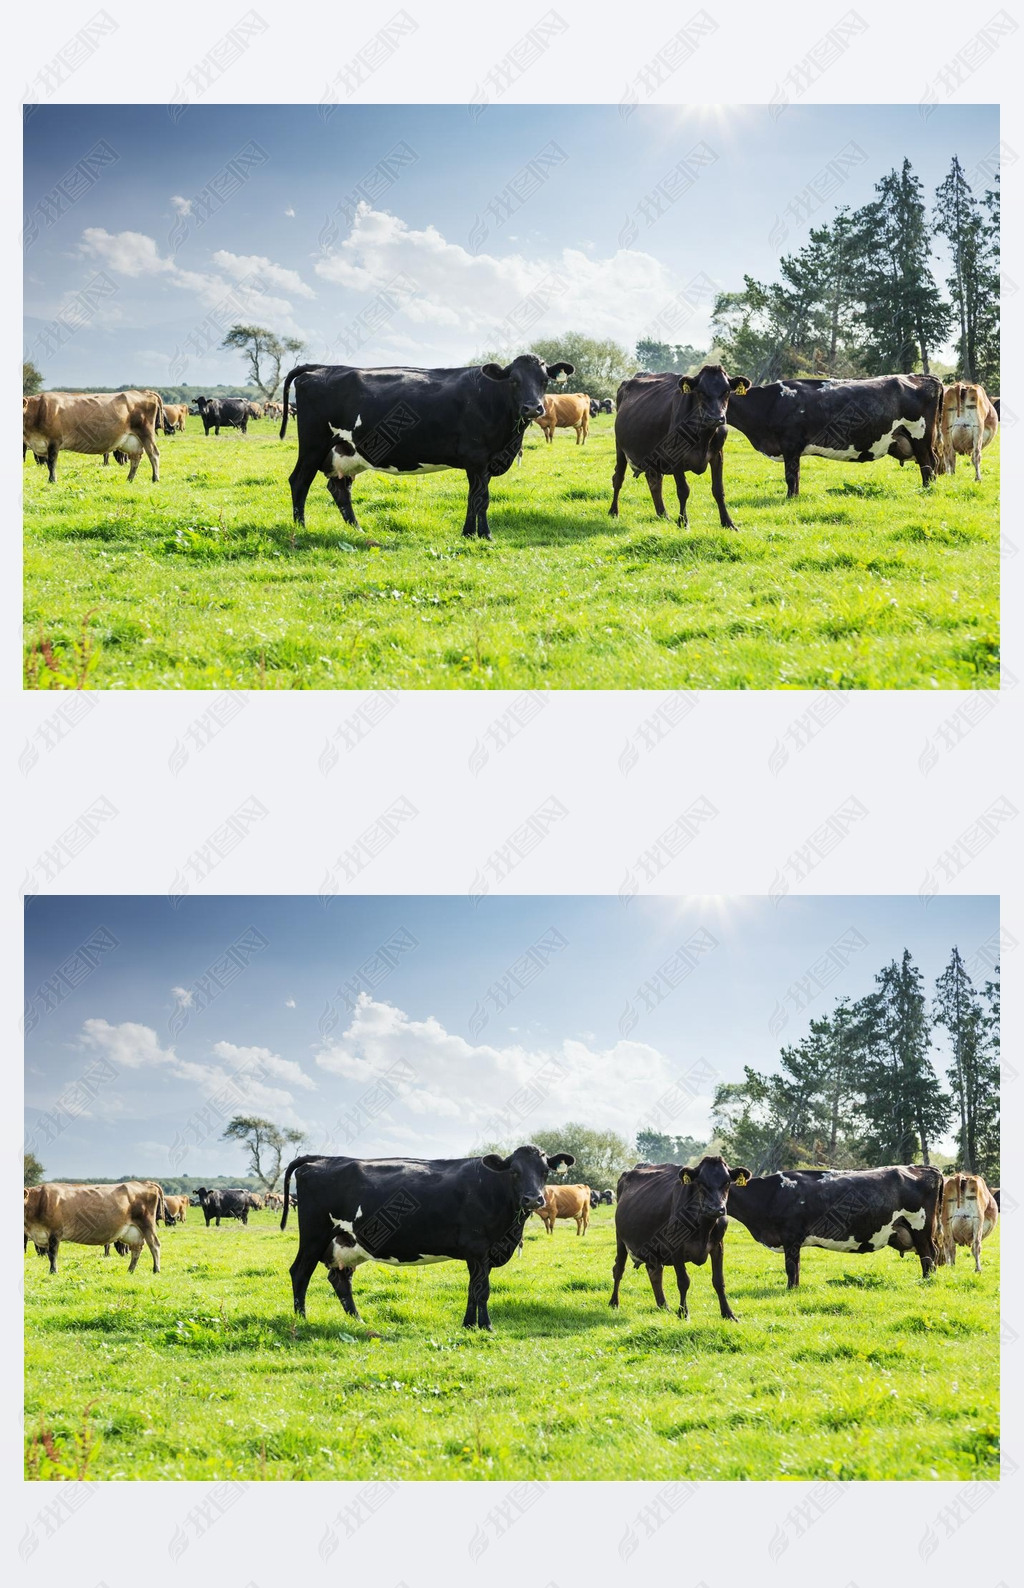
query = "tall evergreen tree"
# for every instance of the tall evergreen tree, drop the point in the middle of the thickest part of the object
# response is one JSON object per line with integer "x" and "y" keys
{"x": 904, "y": 315}
{"x": 958, "y": 218}
{"x": 904, "y": 1106}
{"x": 988, "y": 292}
{"x": 988, "y": 1091}
{"x": 821, "y": 282}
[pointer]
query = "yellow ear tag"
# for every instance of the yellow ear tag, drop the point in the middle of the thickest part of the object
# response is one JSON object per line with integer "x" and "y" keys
{"x": 741, "y": 1179}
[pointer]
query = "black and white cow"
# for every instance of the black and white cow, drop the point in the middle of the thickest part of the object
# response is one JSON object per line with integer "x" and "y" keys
{"x": 861, "y": 1210}
{"x": 667, "y": 1214}
{"x": 849, "y": 421}
{"x": 413, "y": 421}
{"x": 229, "y": 1204}
{"x": 674, "y": 424}
{"x": 228, "y": 411}
{"x": 411, "y": 1211}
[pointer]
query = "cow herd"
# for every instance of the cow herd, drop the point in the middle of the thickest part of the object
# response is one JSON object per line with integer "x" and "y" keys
{"x": 405, "y": 421}
{"x": 409, "y": 1212}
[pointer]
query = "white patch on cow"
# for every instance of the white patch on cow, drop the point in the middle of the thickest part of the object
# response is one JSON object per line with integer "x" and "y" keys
{"x": 421, "y": 468}
{"x": 129, "y": 442}
{"x": 350, "y": 1254}
{"x": 877, "y": 449}
{"x": 876, "y": 1241}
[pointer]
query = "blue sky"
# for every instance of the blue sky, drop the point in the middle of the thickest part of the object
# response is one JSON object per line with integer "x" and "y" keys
{"x": 610, "y": 1013}
{"x": 435, "y": 266}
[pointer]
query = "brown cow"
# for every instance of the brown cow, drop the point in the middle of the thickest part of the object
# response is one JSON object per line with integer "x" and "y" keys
{"x": 175, "y": 415}
{"x": 94, "y": 1215}
{"x": 124, "y": 421}
{"x": 256, "y": 410}
{"x": 176, "y": 1207}
{"x": 967, "y": 423}
{"x": 565, "y": 1202}
{"x": 568, "y": 412}
{"x": 273, "y": 410}
{"x": 969, "y": 1213}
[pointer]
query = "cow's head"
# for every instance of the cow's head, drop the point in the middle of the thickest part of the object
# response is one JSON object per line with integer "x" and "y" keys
{"x": 528, "y": 377}
{"x": 711, "y": 1182}
{"x": 711, "y": 389}
{"x": 528, "y": 1169}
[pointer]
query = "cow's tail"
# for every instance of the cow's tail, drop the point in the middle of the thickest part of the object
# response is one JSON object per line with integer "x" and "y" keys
{"x": 296, "y": 1162}
{"x": 936, "y": 1227}
{"x": 933, "y": 424}
{"x": 300, "y": 369}
{"x": 159, "y": 413}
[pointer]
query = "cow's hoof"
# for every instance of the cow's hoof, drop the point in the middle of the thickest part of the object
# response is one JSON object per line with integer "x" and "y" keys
{"x": 469, "y": 533}
{"x": 484, "y": 534}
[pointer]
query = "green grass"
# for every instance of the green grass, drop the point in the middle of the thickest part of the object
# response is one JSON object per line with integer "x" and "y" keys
{"x": 866, "y": 581}
{"x": 200, "y": 1371}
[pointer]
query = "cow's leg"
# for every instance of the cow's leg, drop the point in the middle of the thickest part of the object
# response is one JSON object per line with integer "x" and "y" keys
{"x": 718, "y": 1279}
{"x": 792, "y": 462}
{"x": 618, "y": 475}
{"x": 922, "y": 451}
{"x": 976, "y": 1249}
{"x": 656, "y": 1275}
{"x": 718, "y": 490}
{"x": 479, "y": 1291}
{"x": 136, "y": 1252}
{"x": 654, "y": 484}
{"x": 106, "y": 1250}
{"x": 51, "y": 462}
{"x": 302, "y": 1271}
{"x": 683, "y": 1281}
{"x": 52, "y": 1248}
{"x": 976, "y": 459}
{"x": 300, "y": 480}
{"x": 340, "y": 488}
{"x": 341, "y": 1279}
{"x": 476, "y": 510}
{"x": 152, "y": 452}
{"x": 618, "y": 1269}
{"x": 792, "y": 1267}
{"x": 924, "y": 1246}
{"x": 106, "y": 459}
{"x": 683, "y": 492}
{"x": 153, "y": 1242}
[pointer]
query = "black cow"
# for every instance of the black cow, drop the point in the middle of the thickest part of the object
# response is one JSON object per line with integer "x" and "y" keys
{"x": 230, "y": 412}
{"x": 412, "y": 1211}
{"x": 850, "y": 421}
{"x": 862, "y": 1210}
{"x": 606, "y": 405}
{"x": 608, "y": 1197}
{"x": 595, "y": 407}
{"x": 219, "y": 1205}
{"x": 413, "y": 421}
{"x": 666, "y": 1214}
{"x": 674, "y": 424}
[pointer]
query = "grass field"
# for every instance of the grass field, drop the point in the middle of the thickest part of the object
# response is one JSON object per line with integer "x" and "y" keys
{"x": 199, "y": 1372}
{"x": 866, "y": 581}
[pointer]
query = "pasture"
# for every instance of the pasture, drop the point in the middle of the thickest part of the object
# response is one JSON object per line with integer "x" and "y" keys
{"x": 200, "y": 1372}
{"x": 865, "y": 581}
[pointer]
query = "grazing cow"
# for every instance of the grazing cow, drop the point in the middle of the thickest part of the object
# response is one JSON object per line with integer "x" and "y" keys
{"x": 175, "y": 1209}
{"x": 968, "y": 422}
{"x": 565, "y": 1202}
{"x": 413, "y": 421}
{"x": 175, "y": 415}
{"x": 256, "y": 1201}
{"x": 273, "y": 410}
{"x": 120, "y": 422}
{"x": 410, "y": 1211}
{"x": 850, "y": 421}
{"x": 608, "y": 1197}
{"x": 95, "y": 1215}
{"x": 607, "y": 406}
{"x": 256, "y": 410}
{"x": 863, "y": 1210}
{"x": 566, "y": 411}
{"x": 674, "y": 424}
{"x": 230, "y": 412}
{"x": 595, "y": 407}
{"x": 666, "y": 1214}
{"x": 969, "y": 1213}
{"x": 217, "y": 1205}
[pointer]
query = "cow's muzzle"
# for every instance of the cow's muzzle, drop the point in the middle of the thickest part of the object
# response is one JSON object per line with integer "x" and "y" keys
{"x": 533, "y": 411}
{"x": 531, "y": 1204}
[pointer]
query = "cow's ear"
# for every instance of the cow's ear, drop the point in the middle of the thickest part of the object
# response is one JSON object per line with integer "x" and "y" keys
{"x": 740, "y": 384}
{"x": 558, "y": 1158}
{"x": 686, "y": 384}
{"x": 495, "y": 371}
{"x": 561, "y": 369}
{"x": 740, "y": 1176}
{"x": 686, "y": 1176}
{"x": 491, "y": 1160}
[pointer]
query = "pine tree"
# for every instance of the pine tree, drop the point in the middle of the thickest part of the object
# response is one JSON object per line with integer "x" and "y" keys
{"x": 958, "y": 218}
{"x": 973, "y": 1072}
{"x": 988, "y": 292}
{"x": 904, "y": 1106}
{"x": 822, "y": 283}
{"x": 903, "y": 314}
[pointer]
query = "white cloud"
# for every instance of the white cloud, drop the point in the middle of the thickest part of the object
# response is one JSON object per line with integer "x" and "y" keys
{"x": 130, "y": 1045}
{"x": 438, "y": 1074}
{"x": 129, "y": 253}
{"x": 289, "y": 1003}
{"x": 618, "y": 296}
{"x": 239, "y": 265}
{"x": 289, "y": 211}
{"x": 284, "y": 1069}
{"x": 182, "y": 997}
{"x": 182, "y": 206}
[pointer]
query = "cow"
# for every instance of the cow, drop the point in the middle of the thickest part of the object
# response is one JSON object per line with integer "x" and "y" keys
{"x": 175, "y": 415}
{"x": 413, "y": 421}
{"x": 230, "y": 412}
{"x": 968, "y": 422}
{"x": 607, "y": 406}
{"x": 674, "y": 424}
{"x": 176, "y": 1208}
{"x": 566, "y": 411}
{"x": 273, "y": 410}
{"x": 565, "y": 1202}
{"x": 230, "y": 1204}
{"x": 995, "y": 1195}
{"x": 256, "y": 410}
{"x": 595, "y": 407}
{"x": 608, "y": 1197}
{"x": 274, "y": 1200}
{"x": 120, "y": 422}
{"x": 94, "y": 1215}
{"x": 861, "y": 1210}
{"x": 677, "y": 1215}
{"x": 407, "y": 1212}
{"x": 849, "y": 421}
{"x": 256, "y": 1201}
{"x": 969, "y": 1213}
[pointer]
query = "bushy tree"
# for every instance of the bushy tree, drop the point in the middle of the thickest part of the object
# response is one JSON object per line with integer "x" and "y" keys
{"x": 653, "y": 1146}
{"x": 659, "y": 357}
{"x": 34, "y": 1172}
{"x": 904, "y": 1107}
{"x": 600, "y": 1155}
{"x": 973, "y": 1071}
{"x": 264, "y": 352}
{"x": 31, "y": 379}
{"x": 265, "y": 1143}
